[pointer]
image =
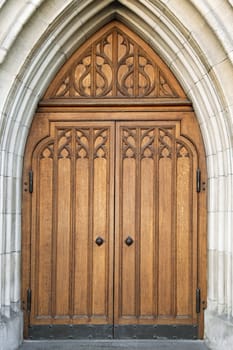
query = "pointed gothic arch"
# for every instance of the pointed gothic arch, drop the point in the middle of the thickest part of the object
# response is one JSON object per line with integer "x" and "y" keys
{"x": 114, "y": 63}
{"x": 115, "y": 68}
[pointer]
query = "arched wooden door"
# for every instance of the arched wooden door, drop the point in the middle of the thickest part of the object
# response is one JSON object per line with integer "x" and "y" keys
{"x": 114, "y": 217}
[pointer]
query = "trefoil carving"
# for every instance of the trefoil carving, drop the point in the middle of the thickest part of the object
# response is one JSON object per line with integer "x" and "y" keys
{"x": 147, "y": 143}
{"x": 114, "y": 65}
{"x": 165, "y": 143}
{"x": 64, "y": 143}
{"x": 100, "y": 141}
{"x": 82, "y": 143}
{"x": 129, "y": 140}
{"x": 47, "y": 151}
{"x": 181, "y": 150}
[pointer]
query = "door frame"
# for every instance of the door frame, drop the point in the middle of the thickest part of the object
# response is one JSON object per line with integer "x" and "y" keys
{"x": 115, "y": 111}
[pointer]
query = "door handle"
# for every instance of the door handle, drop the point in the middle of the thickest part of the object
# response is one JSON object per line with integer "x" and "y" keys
{"x": 99, "y": 241}
{"x": 129, "y": 241}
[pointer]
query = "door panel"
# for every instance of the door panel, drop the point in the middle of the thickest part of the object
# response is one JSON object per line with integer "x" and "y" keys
{"x": 165, "y": 240}
{"x": 45, "y": 226}
{"x": 113, "y": 200}
{"x": 156, "y": 206}
{"x": 72, "y": 205}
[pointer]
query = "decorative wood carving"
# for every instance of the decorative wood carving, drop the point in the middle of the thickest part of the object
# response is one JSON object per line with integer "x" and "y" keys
{"x": 131, "y": 147}
{"x": 114, "y": 64}
{"x": 64, "y": 143}
{"x": 182, "y": 150}
{"x": 100, "y": 139}
{"x": 48, "y": 151}
{"x": 129, "y": 143}
{"x": 165, "y": 139}
{"x": 147, "y": 143}
{"x": 82, "y": 143}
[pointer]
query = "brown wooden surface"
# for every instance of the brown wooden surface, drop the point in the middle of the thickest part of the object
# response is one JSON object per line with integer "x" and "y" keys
{"x": 156, "y": 204}
{"x": 71, "y": 277}
{"x": 114, "y": 63}
{"x": 114, "y": 149}
{"x": 156, "y": 275}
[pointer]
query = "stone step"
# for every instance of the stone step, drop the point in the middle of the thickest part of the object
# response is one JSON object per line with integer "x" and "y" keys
{"x": 113, "y": 345}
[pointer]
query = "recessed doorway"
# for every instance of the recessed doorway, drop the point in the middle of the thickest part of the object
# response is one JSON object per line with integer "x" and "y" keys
{"x": 114, "y": 203}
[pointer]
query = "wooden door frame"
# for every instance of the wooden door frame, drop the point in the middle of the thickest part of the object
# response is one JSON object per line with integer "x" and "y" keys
{"x": 111, "y": 111}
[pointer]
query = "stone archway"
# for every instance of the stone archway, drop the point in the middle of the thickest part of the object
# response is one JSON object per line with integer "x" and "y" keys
{"x": 204, "y": 73}
{"x": 114, "y": 102}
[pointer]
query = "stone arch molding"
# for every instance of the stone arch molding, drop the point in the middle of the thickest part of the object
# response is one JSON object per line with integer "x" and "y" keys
{"x": 194, "y": 39}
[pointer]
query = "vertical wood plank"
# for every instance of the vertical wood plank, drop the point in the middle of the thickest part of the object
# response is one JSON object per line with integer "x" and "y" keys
{"x": 94, "y": 218}
{"x": 166, "y": 259}
{"x": 44, "y": 239}
{"x": 147, "y": 244}
{"x": 81, "y": 238}
{"x": 63, "y": 237}
{"x": 100, "y": 263}
{"x": 184, "y": 240}
{"x": 128, "y": 229}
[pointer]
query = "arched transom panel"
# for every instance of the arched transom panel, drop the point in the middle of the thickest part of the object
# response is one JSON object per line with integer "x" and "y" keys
{"x": 114, "y": 63}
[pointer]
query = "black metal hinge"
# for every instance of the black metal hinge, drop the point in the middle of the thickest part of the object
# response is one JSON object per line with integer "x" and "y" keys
{"x": 198, "y": 300}
{"x": 198, "y": 180}
{"x": 29, "y": 299}
{"x": 30, "y": 175}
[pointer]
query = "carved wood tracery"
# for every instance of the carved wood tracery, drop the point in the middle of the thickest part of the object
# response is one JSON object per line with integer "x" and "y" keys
{"x": 141, "y": 141}
{"x": 115, "y": 64}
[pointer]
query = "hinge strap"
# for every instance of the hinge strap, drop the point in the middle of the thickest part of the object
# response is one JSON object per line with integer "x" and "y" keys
{"x": 198, "y": 179}
{"x": 198, "y": 300}
{"x": 29, "y": 299}
{"x": 30, "y": 175}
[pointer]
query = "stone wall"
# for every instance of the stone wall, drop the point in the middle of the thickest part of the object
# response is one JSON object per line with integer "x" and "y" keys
{"x": 195, "y": 39}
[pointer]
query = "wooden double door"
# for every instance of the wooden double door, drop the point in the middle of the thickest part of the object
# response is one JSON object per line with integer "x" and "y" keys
{"x": 111, "y": 208}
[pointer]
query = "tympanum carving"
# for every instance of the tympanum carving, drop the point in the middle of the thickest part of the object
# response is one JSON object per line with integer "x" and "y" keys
{"x": 114, "y": 66}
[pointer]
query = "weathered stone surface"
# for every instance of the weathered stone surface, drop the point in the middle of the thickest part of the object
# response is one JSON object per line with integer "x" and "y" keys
{"x": 11, "y": 331}
{"x": 195, "y": 39}
{"x": 115, "y": 345}
{"x": 219, "y": 330}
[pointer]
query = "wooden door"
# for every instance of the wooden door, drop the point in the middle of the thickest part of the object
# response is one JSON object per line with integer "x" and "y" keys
{"x": 88, "y": 175}
{"x": 72, "y": 230}
{"x": 156, "y": 231}
{"x": 114, "y": 199}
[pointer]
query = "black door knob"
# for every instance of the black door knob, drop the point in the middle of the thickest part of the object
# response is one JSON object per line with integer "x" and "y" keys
{"x": 99, "y": 241}
{"x": 129, "y": 241}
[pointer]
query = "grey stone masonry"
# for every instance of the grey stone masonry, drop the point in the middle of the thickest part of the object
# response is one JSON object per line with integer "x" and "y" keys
{"x": 195, "y": 39}
{"x": 114, "y": 345}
